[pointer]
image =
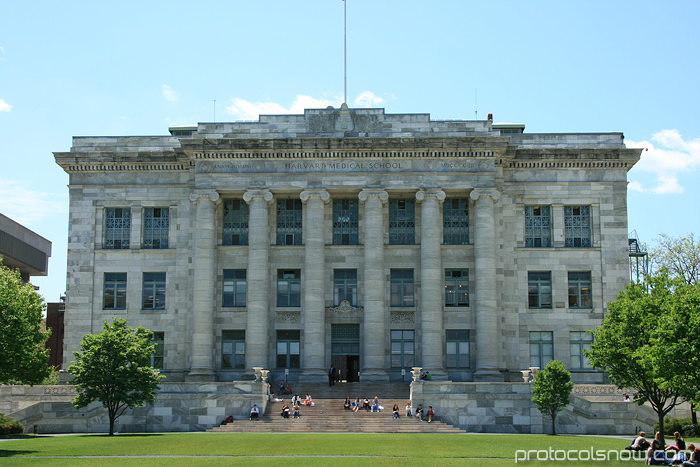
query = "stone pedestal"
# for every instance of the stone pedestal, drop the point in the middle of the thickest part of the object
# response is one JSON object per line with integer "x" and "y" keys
{"x": 258, "y": 279}
{"x": 487, "y": 339}
{"x": 314, "y": 316}
{"x": 374, "y": 327}
{"x": 204, "y": 287}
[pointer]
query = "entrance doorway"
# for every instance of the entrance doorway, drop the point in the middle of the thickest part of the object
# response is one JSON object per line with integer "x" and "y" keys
{"x": 345, "y": 351}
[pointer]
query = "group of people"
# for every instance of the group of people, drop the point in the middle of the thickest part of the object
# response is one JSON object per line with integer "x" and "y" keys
{"x": 658, "y": 454}
{"x": 358, "y": 405}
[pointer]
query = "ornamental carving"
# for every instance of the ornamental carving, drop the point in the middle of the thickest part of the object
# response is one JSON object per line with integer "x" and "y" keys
{"x": 289, "y": 317}
{"x": 320, "y": 123}
{"x": 598, "y": 389}
{"x": 366, "y": 123}
{"x": 345, "y": 308}
{"x": 402, "y": 317}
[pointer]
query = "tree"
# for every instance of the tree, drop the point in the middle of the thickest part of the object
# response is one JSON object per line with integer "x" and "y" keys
{"x": 114, "y": 367}
{"x": 680, "y": 255}
{"x": 643, "y": 341}
{"x": 551, "y": 390}
{"x": 23, "y": 358}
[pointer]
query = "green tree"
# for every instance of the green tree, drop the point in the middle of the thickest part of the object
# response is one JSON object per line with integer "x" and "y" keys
{"x": 551, "y": 390}
{"x": 680, "y": 255}
{"x": 114, "y": 367}
{"x": 639, "y": 342}
{"x": 23, "y": 358}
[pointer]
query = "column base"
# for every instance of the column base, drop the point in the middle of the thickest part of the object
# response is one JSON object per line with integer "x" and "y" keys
{"x": 201, "y": 375}
{"x": 374, "y": 375}
{"x": 488, "y": 375}
{"x": 313, "y": 375}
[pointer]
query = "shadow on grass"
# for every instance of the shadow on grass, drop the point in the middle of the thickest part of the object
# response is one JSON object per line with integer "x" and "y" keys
{"x": 6, "y": 453}
{"x": 120, "y": 435}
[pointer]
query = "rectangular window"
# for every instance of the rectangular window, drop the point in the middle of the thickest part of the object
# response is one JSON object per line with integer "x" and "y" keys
{"x": 234, "y": 288}
{"x": 403, "y": 349}
{"x": 541, "y": 348}
{"x": 538, "y": 227}
{"x": 288, "y": 287}
{"x": 233, "y": 349}
{"x": 539, "y": 289}
{"x": 235, "y": 222}
{"x": 153, "y": 290}
{"x": 345, "y": 286}
{"x": 457, "y": 349}
{"x": 289, "y": 216}
{"x": 580, "y": 290}
{"x": 115, "y": 291}
{"x": 117, "y": 228}
{"x": 580, "y": 341}
{"x": 156, "y": 228}
{"x": 577, "y": 226}
{"x": 456, "y": 287}
{"x": 158, "y": 340}
{"x": 455, "y": 221}
{"x": 288, "y": 345}
{"x": 402, "y": 222}
{"x": 345, "y": 222}
{"x": 402, "y": 287}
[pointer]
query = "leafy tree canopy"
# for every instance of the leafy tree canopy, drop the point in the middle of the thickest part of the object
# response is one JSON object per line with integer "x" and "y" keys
{"x": 23, "y": 358}
{"x": 114, "y": 367}
{"x": 679, "y": 255}
{"x": 649, "y": 341}
{"x": 551, "y": 390}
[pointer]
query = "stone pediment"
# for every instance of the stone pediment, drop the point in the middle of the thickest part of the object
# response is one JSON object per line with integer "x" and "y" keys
{"x": 345, "y": 308}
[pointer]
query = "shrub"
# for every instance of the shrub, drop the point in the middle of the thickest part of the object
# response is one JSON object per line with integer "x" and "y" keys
{"x": 10, "y": 426}
{"x": 691, "y": 431}
{"x": 671, "y": 425}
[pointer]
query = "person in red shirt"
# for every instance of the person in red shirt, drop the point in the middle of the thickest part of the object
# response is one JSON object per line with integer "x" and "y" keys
{"x": 431, "y": 414}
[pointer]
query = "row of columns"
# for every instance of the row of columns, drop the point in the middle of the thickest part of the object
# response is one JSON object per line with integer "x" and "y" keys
{"x": 374, "y": 358}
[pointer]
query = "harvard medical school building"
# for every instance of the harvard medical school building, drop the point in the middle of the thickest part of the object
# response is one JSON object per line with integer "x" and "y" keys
{"x": 374, "y": 242}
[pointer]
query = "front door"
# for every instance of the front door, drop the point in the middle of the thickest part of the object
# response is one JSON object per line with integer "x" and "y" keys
{"x": 345, "y": 351}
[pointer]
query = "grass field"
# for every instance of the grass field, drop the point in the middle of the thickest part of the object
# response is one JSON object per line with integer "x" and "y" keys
{"x": 213, "y": 449}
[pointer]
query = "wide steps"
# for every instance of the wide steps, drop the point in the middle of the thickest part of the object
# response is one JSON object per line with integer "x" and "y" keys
{"x": 329, "y": 416}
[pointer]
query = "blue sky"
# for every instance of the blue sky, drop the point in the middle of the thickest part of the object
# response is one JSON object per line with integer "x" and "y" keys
{"x": 134, "y": 68}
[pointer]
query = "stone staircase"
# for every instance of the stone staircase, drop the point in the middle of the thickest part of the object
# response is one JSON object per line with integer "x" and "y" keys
{"x": 329, "y": 416}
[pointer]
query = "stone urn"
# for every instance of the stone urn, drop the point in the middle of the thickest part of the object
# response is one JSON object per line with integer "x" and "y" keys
{"x": 415, "y": 371}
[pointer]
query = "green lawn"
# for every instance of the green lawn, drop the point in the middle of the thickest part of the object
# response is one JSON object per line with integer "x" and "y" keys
{"x": 300, "y": 449}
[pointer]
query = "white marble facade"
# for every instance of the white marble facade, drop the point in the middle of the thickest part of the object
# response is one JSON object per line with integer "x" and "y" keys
{"x": 303, "y": 165}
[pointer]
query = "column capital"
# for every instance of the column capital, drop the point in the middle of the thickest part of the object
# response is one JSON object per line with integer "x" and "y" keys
{"x": 479, "y": 192}
{"x": 435, "y": 192}
{"x": 379, "y": 193}
{"x": 213, "y": 196}
{"x": 320, "y": 194}
{"x": 266, "y": 195}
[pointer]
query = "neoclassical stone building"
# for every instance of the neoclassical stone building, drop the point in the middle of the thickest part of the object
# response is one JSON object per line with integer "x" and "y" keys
{"x": 369, "y": 241}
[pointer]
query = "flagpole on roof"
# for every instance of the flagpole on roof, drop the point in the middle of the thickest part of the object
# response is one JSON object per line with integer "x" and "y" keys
{"x": 345, "y": 48}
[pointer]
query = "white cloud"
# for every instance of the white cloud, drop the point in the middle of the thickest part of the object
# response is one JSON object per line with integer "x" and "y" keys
{"x": 4, "y": 106}
{"x": 25, "y": 205}
{"x": 671, "y": 156}
{"x": 169, "y": 93}
{"x": 367, "y": 99}
{"x": 243, "y": 109}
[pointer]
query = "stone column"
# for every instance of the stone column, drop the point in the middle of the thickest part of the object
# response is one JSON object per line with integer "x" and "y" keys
{"x": 314, "y": 286}
{"x": 204, "y": 287}
{"x": 487, "y": 339}
{"x": 432, "y": 284}
{"x": 374, "y": 330}
{"x": 258, "y": 279}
